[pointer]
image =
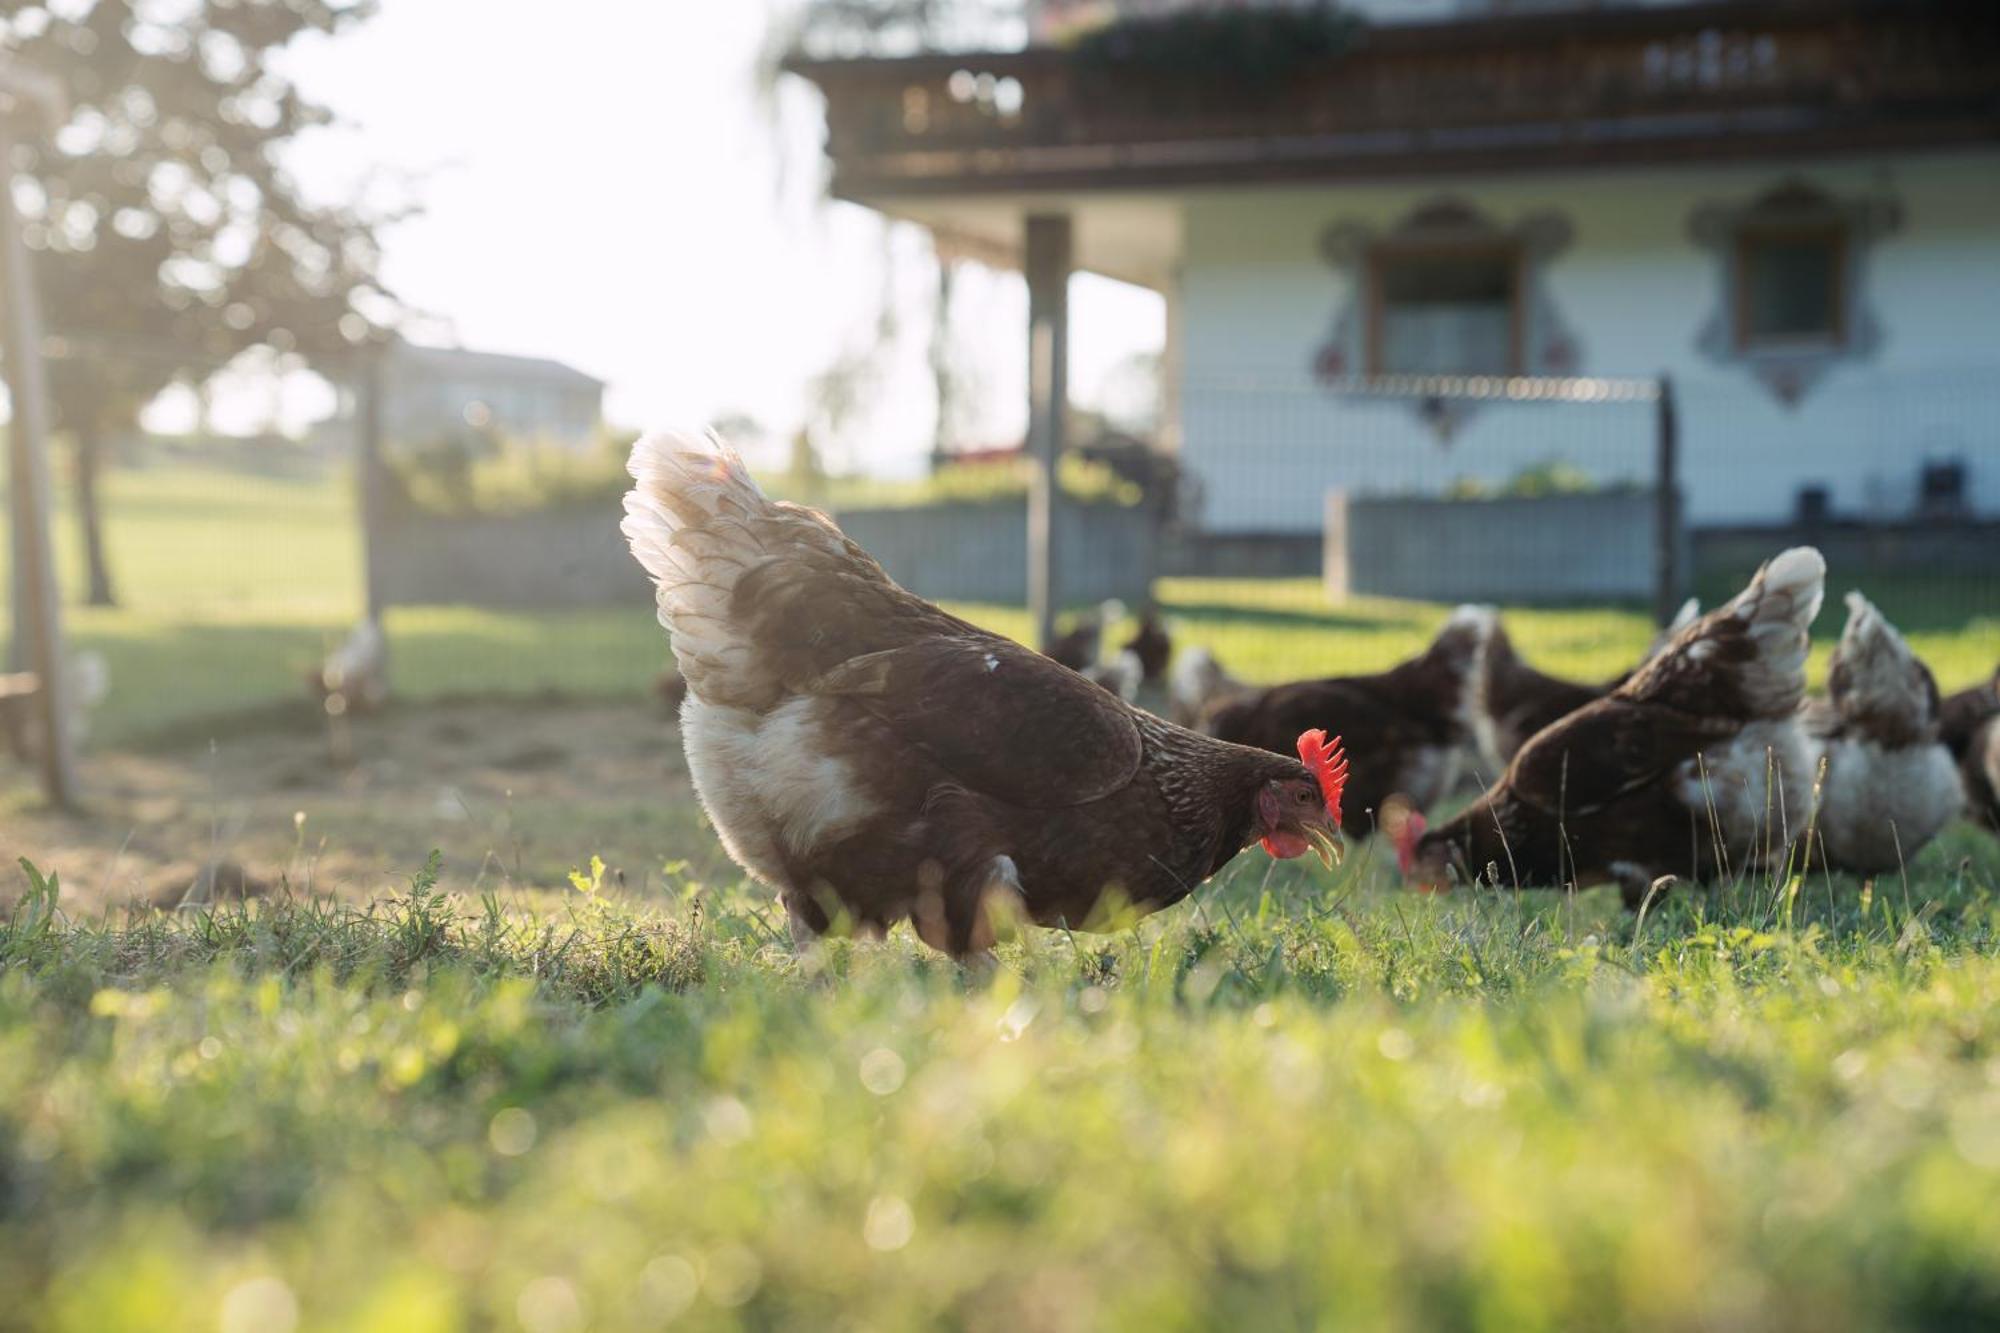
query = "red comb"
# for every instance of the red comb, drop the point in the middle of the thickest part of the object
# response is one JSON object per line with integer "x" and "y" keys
{"x": 1328, "y": 764}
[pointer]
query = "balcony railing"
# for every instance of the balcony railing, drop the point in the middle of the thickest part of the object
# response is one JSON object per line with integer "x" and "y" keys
{"x": 1776, "y": 77}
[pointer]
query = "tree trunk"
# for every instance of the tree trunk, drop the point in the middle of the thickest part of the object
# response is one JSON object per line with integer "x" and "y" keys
{"x": 90, "y": 519}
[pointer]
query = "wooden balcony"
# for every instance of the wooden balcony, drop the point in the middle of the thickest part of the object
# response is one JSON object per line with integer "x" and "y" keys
{"x": 1756, "y": 78}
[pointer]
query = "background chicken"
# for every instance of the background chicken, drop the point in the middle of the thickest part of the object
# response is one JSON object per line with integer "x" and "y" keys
{"x": 1963, "y": 714}
{"x": 1151, "y": 644}
{"x": 1980, "y": 771}
{"x": 1407, "y": 728}
{"x": 21, "y": 700}
{"x": 355, "y": 676}
{"x": 1673, "y": 772}
{"x": 1199, "y": 683}
{"x": 1969, "y": 725}
{"x": 1079, "y": 646}
{"x": 1887, "y": 782}
{"x": 874, "y": 758}
{"x": 1122, "y": 675}
{"x": 1519, "y": 700}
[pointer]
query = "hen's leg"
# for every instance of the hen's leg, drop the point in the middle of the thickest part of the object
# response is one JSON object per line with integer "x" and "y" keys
{"x": 806, "y": 917}
{"x": 974, "y": 908}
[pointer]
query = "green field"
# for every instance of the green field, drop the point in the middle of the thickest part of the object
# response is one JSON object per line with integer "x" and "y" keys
{"x": 1300, "y": 1100}
{"x": 233, "y": 585}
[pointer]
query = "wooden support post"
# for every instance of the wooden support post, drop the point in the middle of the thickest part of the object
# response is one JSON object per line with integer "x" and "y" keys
{"x": 369, "y": 476}
{"x": 27, "y": 97}
{"x": 1668, "y": 575}
{"x": 1049, "y": 240}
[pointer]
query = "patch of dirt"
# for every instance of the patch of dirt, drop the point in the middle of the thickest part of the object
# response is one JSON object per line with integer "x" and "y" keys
{"x": 513, "y": 794}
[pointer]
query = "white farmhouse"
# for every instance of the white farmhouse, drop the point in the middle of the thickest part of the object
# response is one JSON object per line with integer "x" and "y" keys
{"x": 1790, "y": 208}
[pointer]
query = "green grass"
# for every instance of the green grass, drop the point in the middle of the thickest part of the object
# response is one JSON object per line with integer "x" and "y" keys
{"x": 1292, "y": 1105}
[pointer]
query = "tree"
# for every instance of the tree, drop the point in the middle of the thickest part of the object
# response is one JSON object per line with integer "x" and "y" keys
{"x": 167, "y": 237}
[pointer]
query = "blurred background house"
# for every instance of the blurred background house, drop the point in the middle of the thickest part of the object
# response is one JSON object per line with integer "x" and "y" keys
{"x": 1785, "y": 207}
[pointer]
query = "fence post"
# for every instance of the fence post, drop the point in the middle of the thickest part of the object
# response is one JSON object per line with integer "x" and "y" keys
{"x": 27, "y": 95}
{"x": 1047, "y": 262}
{"x": 369, "y": 467}
{"x": 1668, "y": 575}
{"x": 1335, "y": 567}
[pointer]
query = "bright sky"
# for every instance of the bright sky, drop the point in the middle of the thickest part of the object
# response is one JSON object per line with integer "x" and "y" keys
{"x": 601, "y": 185}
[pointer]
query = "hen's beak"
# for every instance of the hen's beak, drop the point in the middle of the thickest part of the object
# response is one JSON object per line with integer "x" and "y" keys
{"x": 1324, "y": 835}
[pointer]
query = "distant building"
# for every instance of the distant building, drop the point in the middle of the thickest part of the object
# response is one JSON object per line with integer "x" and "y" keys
{"x": 433, "y": 392}
{"x": 1789, "y": 207}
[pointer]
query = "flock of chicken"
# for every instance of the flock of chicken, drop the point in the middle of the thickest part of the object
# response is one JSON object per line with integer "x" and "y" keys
{"x": 1706, "y": 760}
{"x": 874, "y": 758}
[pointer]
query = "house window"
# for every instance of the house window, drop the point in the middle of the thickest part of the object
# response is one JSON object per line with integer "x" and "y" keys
{"x": 1789, "y": 287}
{"x": 1792, "y": 269}
{"x": 1449, "y": 311}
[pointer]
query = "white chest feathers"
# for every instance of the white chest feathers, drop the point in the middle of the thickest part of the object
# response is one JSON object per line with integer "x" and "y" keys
{"x": 1879, "y": 806}
{"x": 772, "y": 783}
{"x": 1756, "y": 788}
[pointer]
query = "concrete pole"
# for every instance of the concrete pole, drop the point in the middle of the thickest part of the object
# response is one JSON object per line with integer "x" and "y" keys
{"x": 38, "y": 606}
{"x": 1048, "y": 258}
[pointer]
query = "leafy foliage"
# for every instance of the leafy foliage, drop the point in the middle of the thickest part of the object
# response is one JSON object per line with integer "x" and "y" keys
{"x": 1550, "y": 476}
{"x": 167, "y": 236}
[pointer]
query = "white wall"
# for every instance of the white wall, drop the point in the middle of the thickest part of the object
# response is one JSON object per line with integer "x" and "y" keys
{"x": 1635, "y": 290}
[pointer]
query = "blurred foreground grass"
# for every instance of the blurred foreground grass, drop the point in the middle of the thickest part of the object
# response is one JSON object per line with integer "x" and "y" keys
{"x": 1290, "y": 1105}
{"x": 234, "y": 584}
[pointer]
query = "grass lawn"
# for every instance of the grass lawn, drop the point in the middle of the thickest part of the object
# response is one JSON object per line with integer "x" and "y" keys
{"x": 491, "y": 1099}
{"x": 1292, "y": 1104}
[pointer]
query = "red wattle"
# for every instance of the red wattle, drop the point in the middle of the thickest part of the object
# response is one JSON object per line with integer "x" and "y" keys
{"x": 1285, "y": 846}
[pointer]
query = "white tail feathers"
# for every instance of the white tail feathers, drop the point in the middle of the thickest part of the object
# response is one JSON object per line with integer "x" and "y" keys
{"x": 1867, "y": 628}
{"x": 689, "y": 521}
{"x": 1778, "y": 608}
{"x": 1877, "y": 672}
